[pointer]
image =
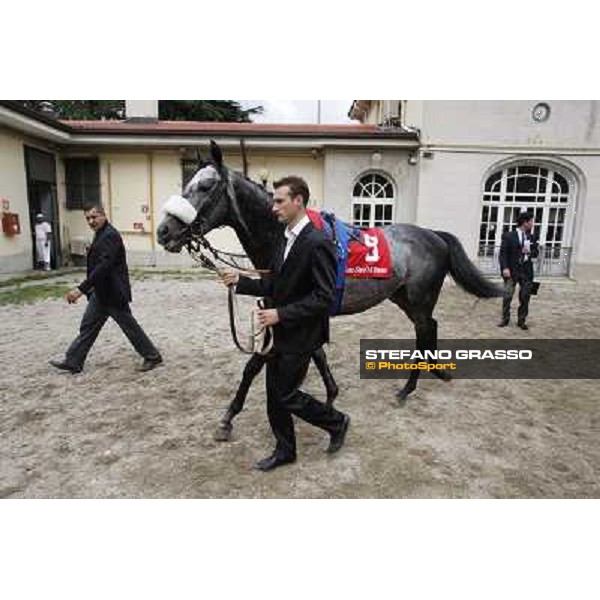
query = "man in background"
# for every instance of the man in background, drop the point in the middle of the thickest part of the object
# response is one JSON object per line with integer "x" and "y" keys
{"x": 518, "y": 249}
{"x": 43, "y": 241}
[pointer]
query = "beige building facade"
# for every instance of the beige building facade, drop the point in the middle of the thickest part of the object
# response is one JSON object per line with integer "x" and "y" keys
{"x": 132, "y": 166}
{"x": 481, "y": 162}
{"x": 468, "y": 167}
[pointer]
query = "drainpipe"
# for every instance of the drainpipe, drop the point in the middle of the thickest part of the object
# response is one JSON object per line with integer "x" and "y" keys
{"x": 110, "y": 190}
{"x": 151, "y": 208}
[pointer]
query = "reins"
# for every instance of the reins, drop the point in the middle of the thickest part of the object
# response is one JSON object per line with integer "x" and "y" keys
{"x": 198, "y": 242}
{"x": 260, "y": 339}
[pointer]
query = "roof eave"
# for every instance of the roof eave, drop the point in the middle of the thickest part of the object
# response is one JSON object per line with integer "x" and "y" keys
{"x": 34, "y": 115}
{"x": 32, "y": 126}
{"x": 382, "y": 134}
{"x": 167, "y": 141}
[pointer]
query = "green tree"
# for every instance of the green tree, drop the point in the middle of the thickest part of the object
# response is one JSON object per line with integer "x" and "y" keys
{"x": 169, "y": 110}
{"x": 206, "y": 110}
{"x": 79, "y": 109}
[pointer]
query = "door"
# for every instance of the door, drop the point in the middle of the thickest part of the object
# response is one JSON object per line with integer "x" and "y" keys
{"x": 40, "y": 167}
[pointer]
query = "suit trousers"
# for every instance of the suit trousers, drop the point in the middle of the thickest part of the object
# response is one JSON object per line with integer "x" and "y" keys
{"x": 525, "y": 281}
{"x": 94, "y": 318}
{"x": 285, "y": 374}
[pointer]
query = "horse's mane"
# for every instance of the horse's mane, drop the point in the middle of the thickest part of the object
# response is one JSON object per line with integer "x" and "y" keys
{"x": 259, "y": 217}
{"x": 257, "y": 186}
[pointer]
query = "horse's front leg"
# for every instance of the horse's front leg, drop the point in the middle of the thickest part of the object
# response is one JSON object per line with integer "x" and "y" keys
{"x": 251, "y": 370}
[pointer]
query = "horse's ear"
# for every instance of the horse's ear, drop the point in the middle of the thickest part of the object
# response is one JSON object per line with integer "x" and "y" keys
{"x": 199, "y": 158}
{"x": 216, "y": 153}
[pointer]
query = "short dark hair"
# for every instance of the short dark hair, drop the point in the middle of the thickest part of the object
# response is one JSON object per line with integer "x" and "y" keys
{"x": 523, "y": 218}
{"x": 94, "y": 206}
{"x": 297, "y": 185}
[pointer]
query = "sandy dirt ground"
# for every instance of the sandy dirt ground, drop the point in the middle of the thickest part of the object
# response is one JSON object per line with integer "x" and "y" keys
{"x": 112, "y": 432}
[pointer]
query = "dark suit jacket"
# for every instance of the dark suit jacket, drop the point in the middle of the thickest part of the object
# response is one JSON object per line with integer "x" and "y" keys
{"x": 302, "y": 289}
{"x": 107, "y": 274}
{"x": 511, "y": 255}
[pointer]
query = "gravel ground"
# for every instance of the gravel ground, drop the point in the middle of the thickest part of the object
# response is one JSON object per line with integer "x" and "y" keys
{"x": 112, "y": 432}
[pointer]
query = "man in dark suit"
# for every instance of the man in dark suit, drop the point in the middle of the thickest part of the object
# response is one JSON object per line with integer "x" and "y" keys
{"x": 518, "y": 249}
{"x": 301, "y": 288}
{"x": 109, "y": 294}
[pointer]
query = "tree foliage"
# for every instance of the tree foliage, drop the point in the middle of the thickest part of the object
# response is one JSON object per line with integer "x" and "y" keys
{"x": 79, "y": 109}
{"x": 168, "y": 110}
{"x": 206, "y": 110}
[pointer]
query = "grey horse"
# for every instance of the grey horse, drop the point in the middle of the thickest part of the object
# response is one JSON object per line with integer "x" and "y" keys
{"x": 217, "y": 196}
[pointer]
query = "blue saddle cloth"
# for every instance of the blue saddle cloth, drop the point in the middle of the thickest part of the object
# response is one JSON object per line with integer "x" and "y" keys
{"x": 341, "y": 233}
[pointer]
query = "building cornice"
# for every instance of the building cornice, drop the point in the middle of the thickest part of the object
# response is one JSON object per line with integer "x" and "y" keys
{"x": 508, "y": 149}
{"x": 250, "y": 142}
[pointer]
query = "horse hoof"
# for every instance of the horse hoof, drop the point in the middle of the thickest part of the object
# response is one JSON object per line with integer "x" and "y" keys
{"x": 223, "y": 432}
{"x": 446, "y": 376}
{"x": 401, "y": 398}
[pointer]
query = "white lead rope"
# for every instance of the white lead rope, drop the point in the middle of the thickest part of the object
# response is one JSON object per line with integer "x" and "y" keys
{"x": 258, "y": 333}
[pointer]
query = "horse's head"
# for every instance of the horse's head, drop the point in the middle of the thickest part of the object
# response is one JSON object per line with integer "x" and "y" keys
{"x": 203, "y": 206}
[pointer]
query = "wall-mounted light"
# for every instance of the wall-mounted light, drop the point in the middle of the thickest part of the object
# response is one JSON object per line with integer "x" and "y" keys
{"x": 413, "y": 158}
{"x": 376, "y": 158}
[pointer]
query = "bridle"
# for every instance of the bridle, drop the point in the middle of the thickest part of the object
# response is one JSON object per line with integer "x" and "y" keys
{"x": 197, "y": 243}
{"x": 260, "y": 339}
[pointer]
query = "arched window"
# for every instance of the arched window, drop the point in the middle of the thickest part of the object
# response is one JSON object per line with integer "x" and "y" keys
{"x": 373, "y": 201}
{"x": 539, "y": 189}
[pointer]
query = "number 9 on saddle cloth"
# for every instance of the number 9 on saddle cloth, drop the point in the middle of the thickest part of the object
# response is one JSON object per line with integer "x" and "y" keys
{"x": 361, "y": 253}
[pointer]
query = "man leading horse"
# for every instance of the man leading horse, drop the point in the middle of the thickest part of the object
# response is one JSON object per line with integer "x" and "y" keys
{"x": 301, "y": 288}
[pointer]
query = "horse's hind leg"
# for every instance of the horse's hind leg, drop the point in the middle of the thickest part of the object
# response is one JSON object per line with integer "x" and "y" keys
{"x": 320, "y": 359}
{"x": 431, "y": 343}
{"x": 425, "y": 331}
{"x": 251, "y": 370}
{"x": 411, "y": 384}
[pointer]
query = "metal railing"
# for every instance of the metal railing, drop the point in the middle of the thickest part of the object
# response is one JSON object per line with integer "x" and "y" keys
{"x": 552, "y": 261}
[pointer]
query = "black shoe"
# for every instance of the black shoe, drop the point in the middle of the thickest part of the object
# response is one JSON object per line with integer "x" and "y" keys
{"x": 151, "y": 363}
{"x": 273, "y": 461}
{"x": 503, "y": 323}
{"x": 523, "y": 326}
{"x": 337, "y": 439}
{"x": 64, "y": 366}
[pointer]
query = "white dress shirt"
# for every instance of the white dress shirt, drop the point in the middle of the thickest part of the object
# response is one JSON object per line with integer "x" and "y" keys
{"x": 522, "y": 238}
{"x": 293, "y": 233}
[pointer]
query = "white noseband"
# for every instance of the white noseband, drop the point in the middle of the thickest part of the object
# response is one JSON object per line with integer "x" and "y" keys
{"x": 180, "y": 208}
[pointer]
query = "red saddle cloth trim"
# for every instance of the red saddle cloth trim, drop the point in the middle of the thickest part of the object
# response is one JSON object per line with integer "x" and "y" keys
{"x": 315, "y": 218}
{"x": 369, "y": 258}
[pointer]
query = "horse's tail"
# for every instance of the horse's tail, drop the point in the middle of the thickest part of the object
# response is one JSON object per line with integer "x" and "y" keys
{"x": 465, "y": 273}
